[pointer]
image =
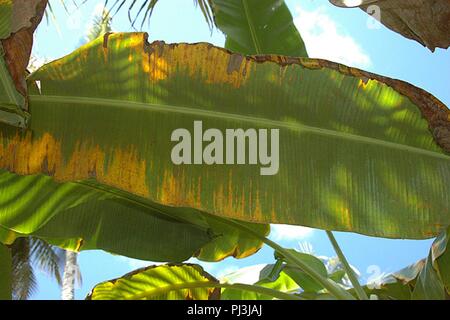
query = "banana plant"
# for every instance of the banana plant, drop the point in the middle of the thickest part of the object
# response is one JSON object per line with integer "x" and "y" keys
{"x": 353, "y": 151}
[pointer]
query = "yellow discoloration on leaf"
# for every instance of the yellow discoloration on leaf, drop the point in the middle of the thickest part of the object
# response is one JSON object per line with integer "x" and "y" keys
{"x": 346, "y": 217}
{"x": 26, "y": 155}
{"x": 257, "y": 213}
{"x": 79, "y": 244}
{"x": 161, "y": 61}
{"x": 362, "y": 84}
{"x": 9, "y": 238}
{"x": 191, "y": 59}
{"x": 176, "y": 189}
{"x": 155, "y": 66}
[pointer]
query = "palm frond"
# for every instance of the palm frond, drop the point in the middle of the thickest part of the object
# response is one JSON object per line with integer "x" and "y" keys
{"x": 47, "y": 258}
{"x": 144, "y": 9}
{"x": 23, "y": 278}
{"x": 100, "y": 26}
{"x": 27, "y": 255}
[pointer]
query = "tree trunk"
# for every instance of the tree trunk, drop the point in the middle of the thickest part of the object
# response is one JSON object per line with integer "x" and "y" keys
{"x": 70, "y": 272}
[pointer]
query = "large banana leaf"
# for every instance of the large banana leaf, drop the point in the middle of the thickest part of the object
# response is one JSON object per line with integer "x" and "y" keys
{"x": 258, "y": 27}
{"x": 5, "y": 273}
{"x": 180, "y": 282}
{"x": 356, "y": 153}
{"x": 163, "y": 282}
{"x": 83, "y": 216}
{"x": 425, "y": 21}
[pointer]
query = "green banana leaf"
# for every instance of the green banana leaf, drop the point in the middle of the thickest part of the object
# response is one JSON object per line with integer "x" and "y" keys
{"x": 306, "y": 282}
{"x": 426, "y": 22}
{"x": 283, "y": 283}
{"x": 5, "y": 273}
{"x": 84, "y": 215}
{"x": 279, "y": 276}
{"x": 163, "y": 282}
{"x": 258, "y": 27}
{"x": 178, "y": 282}
{"x": 433, "y": 281}
{"x": 355, "y": 154}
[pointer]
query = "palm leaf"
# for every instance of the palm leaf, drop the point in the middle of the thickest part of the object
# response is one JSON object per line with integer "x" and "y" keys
{"x": 49, "y": 259}
{"x": 23, "y": 277}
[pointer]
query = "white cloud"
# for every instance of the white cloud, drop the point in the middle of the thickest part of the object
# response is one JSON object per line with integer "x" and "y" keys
{"x": 135, "y": 263}
{"x": 325, "y": 39}
{"x": 281, "y": 232}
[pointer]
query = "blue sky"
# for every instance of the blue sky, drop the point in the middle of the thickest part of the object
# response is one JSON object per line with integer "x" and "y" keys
{"x": 348, "y": 36}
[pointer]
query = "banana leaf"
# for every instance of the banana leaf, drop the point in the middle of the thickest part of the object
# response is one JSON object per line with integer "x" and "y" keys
{"x": 258, "y": 27}
{"x": 163, "y": 282}
{"x": 84, "y": 215}
{"x": 358, "y": 152}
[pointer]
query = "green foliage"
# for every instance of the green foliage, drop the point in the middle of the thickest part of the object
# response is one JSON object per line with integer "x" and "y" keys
{"x": 82, "y": 216}
{"x": 5, "y": 273}
{"x": 258, "y": 27}
{"x": 164, "y": 282}
{"x": 93, "y": 170}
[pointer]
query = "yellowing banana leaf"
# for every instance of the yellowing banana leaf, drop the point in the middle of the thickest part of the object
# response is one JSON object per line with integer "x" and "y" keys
{"x": 163, "y": 282}
{"x": 425, "y": 21}
{"x": 355, "y": 149}
{"x": 83, "y": 215}
{"x": 258, "y": 27}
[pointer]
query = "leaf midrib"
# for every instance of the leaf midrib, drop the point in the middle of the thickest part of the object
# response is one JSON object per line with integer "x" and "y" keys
{"x": 233, "y": 116}
{"x": 251, "y": 27}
